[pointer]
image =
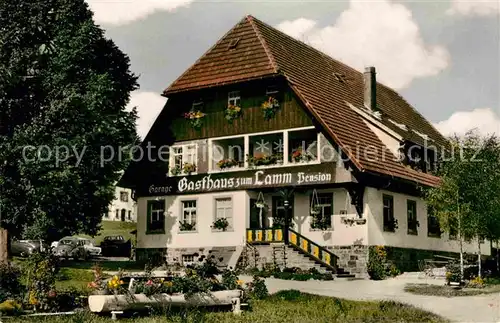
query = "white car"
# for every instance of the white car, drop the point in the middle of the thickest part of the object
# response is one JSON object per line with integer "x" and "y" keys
{"x": 89, "y": 246}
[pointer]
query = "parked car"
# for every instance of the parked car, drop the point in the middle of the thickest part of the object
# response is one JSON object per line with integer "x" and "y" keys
{"x": 76, "y": 248}
{"x": 39, "y": 245}
{"x": 116, "y": 246}
{"x": 89, "y": 246}
{"x": 21, "y": 248}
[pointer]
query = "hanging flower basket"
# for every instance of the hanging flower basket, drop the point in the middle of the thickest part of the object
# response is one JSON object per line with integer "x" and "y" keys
{"x": 315, "y": 210}
{"x": 189, "y": 168}
{"x": 260, "y": 204}
{"x": 233, "y": 112}
{"x": 270, "y": 107}
{"x": 195, "y": 118}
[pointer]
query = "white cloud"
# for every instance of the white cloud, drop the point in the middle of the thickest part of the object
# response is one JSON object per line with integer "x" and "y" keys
{"x": 474, "y": 8}
{"x": 380, "y": 34}
{"x": 120, "y": 12}
{"x": 483, "y": 120}
{"x": 149, "y": 105}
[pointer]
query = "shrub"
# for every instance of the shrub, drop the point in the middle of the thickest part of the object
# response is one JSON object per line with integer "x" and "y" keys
{"x": 10, "y": 307}
{"x": 10, "y": 282}
{"x": 257, "y": 289}
{"x": 41, "y": 271}
{"x": 376, "y": 262}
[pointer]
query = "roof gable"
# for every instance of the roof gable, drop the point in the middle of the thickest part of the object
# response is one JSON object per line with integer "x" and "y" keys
{"x": 326, "y": 87}
{"x": 239, "y": 55}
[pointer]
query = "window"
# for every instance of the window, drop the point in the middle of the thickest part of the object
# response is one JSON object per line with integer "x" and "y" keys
{"x": 273, "y": 89}
{"x": 197, "y": 105}
{"x": 123, "y": 214}
{"x": 389, "y": 220}
{"x": 325, "y": 204}
{"x": 233, "y": 98}
{"x": 433, "y": 228}
{"x": 156, "y": 217}
{"x": 303, "y": 146}
{"x": 130, "y": 215}
{"x": 411, "y": 209}
{"x": 124, "y": 196}
{"x": 188, "y": 219}
{"x": 117, "y": 214}
{"x": 224, "y": 209}
{"x": 181, "y": 155}
{"x": 187, "y": 259}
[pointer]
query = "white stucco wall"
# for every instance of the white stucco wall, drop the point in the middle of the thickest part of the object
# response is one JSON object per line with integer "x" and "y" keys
{"x": 204, "y": 236}
{"x": 400, "y": 238}
{"x": 119, "y": 205}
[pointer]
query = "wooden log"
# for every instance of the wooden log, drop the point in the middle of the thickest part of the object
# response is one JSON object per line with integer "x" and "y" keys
{"x": 109, "y": 303}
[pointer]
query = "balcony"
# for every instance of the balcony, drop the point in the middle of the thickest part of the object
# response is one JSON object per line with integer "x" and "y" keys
{"x": 228, "y": 154}
{"x": 292, "y": 147}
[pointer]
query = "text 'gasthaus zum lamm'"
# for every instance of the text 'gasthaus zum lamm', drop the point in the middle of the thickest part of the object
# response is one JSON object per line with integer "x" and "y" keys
{"x": 259, "y": 179}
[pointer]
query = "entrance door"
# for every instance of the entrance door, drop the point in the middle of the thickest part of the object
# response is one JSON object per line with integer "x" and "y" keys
{"x": 254, "y": 215}
{"x": 279, "y": 211}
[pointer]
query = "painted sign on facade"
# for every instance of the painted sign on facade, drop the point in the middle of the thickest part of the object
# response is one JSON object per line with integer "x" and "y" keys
{"x": 227, "y": 181}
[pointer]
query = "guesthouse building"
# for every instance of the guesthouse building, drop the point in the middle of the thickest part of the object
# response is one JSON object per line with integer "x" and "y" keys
{"x": 270, "y": 151}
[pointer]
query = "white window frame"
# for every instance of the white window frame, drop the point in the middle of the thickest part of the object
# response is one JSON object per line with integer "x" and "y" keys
{"x": 322, "y": 206}
{"x": 318, "y": 150}
{"x": 211, "y": 168}
{"x": 226, "y": 209}
{"x": 234, "y": 98}
{"x": 184, "y": 157}
{"x": 272, "y": 89}
{"x": 190, "y": 218}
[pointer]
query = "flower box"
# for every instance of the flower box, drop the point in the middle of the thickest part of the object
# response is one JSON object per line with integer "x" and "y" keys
{"x": 110, "y": 303}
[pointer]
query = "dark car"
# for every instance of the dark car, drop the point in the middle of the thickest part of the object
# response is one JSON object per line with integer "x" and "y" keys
{"x": 116, "y": 246}
{"x": 21, "y": 248}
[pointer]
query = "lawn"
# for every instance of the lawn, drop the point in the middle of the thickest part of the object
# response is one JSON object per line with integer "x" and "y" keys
{"x": 286, "y": 306}
{"x": 449, "y": 291}
{"x": 113, "y": 228}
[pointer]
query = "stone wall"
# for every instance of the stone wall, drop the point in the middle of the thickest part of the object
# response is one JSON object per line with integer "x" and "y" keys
{"x": 353, "y": 259}
{"x": 155, "y": 256}
{"x": 221, "y": 255}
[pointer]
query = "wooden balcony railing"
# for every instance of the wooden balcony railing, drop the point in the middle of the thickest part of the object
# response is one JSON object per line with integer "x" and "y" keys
{"x": 264, "y": 235}
{"x": 312, "y": 249}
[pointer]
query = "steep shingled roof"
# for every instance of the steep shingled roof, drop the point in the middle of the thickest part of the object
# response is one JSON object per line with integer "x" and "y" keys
{"x": 263, "y": 51}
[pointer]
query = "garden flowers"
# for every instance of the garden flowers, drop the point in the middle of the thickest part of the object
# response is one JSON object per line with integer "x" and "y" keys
{"x": 270, "y": 107}
{"x": 195, "y": 118}
{"x": 233, "y": 112}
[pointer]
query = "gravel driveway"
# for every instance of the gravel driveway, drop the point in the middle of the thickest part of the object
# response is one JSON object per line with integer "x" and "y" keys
{"x": 482, "y": 308}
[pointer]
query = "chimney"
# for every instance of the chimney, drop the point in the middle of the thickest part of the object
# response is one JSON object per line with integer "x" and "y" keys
{"x": 370, "y": 91}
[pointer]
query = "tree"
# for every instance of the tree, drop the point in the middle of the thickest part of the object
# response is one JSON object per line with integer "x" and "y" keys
{"x": 468, "y": 198}
{"x": 63, "y": 92}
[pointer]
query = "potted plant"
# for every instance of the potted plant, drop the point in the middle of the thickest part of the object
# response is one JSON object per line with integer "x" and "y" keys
{"x": 98, "y": 286}
{"x": 189, "y": 168}
{"x": 187, "y": 226}
{"x": 176, "y": 170}
{"x": 195, "y": 118}
{"x": 270, "y": 107}
{"x": 220, "y": 224}
{"x": 300, "y": 156}
{"x": 232, "y": 112}
{"x": 227, "y": 163}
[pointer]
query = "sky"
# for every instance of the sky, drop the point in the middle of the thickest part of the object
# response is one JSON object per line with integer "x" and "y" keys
{"x": 442, "y": 56}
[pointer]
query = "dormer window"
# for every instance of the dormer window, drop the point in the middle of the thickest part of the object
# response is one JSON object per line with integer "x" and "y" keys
{"x": 197, "y": 105}
{"x": 233, "y": 98}
{"x": 270, "y": 90}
